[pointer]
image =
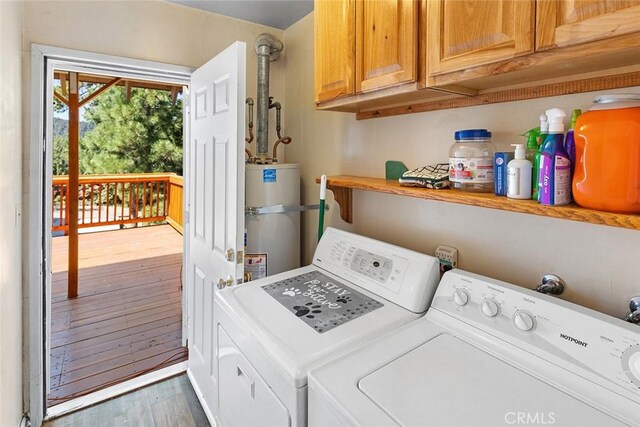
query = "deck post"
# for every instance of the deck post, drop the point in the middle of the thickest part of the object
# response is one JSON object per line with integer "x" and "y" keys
{"x": 74, "y": 173}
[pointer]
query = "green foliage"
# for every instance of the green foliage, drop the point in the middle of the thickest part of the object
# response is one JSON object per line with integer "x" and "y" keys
{"x": 61, "y": 128}
{"x": 139, "y": 136}
{"x": 60, "y": 155}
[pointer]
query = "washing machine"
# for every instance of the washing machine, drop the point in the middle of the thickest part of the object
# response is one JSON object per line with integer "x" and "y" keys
{"x": 487, "y": 353}
{"x": 273, "y": 331}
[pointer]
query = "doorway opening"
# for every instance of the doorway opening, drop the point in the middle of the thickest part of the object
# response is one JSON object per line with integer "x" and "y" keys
{"x": 116, "y": 304}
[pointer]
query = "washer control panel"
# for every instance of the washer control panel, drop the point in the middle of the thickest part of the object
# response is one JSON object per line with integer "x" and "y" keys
{"x": 588, "y": 342}
{"x": 371, "y": 265}
{"x": 402, "y": 276}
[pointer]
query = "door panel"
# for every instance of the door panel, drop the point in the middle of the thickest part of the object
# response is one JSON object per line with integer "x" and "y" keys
{"x": 567, "y": 23}
{"x": 335, "y": 49}
{"x": 216, "y": 203}
{"x": 386, "y": 43}
{"x": 463, "y": 34}
{"x": 219, "y": 237}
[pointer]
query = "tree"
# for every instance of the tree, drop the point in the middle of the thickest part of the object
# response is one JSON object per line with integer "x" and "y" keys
{"x": 60, "y": 155}
{"x": 139, "y": 136}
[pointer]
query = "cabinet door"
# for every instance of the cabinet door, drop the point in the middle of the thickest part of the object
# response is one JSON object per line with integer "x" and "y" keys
{"x": 335, "y": 48}
{"x": 566, "y": 23}
{"x": 464, "y": 34}
{"x": 245, "y": 398}
{"x": 386, "y": 43}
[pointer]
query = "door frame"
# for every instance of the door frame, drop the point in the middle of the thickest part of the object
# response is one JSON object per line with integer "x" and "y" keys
{"x": 43, "y": 60}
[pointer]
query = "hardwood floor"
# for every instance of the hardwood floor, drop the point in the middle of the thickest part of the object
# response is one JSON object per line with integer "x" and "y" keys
{"x": 168, "y": 403}
{"x": 127, "y": 319}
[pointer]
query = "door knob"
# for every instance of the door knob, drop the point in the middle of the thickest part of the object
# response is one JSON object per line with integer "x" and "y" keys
{"x": 221, "y": 283}
{"x": 229, "y": 281}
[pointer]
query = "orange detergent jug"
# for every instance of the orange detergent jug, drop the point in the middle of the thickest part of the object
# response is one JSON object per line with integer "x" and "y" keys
{"x": 607, "y": 169}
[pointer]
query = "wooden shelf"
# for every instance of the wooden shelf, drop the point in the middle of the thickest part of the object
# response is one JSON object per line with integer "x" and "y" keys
{"x": 343, "y": 185}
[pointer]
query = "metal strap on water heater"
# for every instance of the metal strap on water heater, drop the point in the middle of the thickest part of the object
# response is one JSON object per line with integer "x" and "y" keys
{"x": 263, "y": 210}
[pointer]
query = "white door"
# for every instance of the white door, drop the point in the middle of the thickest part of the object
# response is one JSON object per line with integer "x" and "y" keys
{"x": 216, "y": 205}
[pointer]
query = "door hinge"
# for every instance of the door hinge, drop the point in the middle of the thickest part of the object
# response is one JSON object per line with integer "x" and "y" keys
{"x": 186, "y": 217}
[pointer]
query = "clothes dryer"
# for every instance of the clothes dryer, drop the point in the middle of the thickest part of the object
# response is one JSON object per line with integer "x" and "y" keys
{"x": 273, "y": 331}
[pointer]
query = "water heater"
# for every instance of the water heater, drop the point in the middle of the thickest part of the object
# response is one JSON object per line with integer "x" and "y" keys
{"x": 272, "y": 221}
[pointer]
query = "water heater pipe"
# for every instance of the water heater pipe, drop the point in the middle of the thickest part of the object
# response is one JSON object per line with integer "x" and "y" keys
{"x": 268, "y": 49}
{"x": 281, "y": 139}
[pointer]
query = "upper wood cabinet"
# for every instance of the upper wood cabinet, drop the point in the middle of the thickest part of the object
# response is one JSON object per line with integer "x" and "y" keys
{"x": 386, "y": 43}
{"x": 567, "y": 23}
{"x": 463, "y": 34}
{"x": 364, "y": 45}
{"x": 372, "y": 54}
{"x": 335, "y": 48}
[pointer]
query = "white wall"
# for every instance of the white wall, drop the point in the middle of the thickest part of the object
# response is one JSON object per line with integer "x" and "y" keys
{"x": 10, "y": 231}
{"x": 599, "y": 263}
{"x": 149, "y": 30}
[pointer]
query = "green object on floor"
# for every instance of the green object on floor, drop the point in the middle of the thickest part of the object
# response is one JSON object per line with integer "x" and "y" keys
{"x": 394, "y": 169}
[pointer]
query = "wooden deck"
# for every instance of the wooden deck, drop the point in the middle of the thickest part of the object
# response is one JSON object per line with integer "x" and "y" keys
{"x": 127, "y": 319}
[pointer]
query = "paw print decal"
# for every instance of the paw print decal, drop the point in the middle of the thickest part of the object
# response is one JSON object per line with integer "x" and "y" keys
{"x": 304, "y": 310}
{"x": 291, "y": 292}
{"x": 344, "y": 299}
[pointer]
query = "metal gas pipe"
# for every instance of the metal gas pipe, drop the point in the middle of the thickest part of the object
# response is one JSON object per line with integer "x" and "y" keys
{"x": 268, "y": 49}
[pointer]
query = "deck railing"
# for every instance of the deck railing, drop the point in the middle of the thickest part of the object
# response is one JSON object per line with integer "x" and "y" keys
{"x": 119, "y": 199}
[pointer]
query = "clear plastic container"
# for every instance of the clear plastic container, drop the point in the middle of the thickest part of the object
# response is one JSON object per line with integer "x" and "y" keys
{"x": 607, "y": 168}
{"x": 471, "y": 161}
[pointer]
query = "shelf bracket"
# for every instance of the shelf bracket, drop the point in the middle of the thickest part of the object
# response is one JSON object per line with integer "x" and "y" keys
{"x": 343, "y": 196}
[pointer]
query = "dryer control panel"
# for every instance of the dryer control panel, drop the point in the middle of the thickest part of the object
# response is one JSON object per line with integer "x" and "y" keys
{"x": 591, "y": 344}
{"x": 402, "y": 276}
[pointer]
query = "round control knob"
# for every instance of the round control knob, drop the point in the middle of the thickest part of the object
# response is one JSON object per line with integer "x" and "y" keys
{"x": 523, "y": 321}
{"x": 489, "y": 308}
{"x": 631, "y": 364}
{"x": 460, "y": 297}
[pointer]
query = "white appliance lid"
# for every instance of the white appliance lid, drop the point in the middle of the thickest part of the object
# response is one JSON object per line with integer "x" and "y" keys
{"x": 486, "y": 391}
{"x": 292, "y": 344}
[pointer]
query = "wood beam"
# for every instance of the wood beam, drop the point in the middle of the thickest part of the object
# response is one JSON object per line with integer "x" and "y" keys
{"x": 174, "y": 95}
{"x": 143, "y": 84}
{"x": 60, "y": 98}
{"x": 72, "y": 188}
{"x": 63, "y": 85}
{"x": 127, "y": 89}
{"x": 99, "y": 91}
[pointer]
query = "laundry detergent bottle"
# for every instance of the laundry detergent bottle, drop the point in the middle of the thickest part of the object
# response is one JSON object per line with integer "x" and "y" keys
{"x": 554, "y": 175}
{"x": 607, "y": 172}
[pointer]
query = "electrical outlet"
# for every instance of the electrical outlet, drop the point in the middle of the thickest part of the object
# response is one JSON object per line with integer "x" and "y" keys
{"x": 448, "y": 257}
